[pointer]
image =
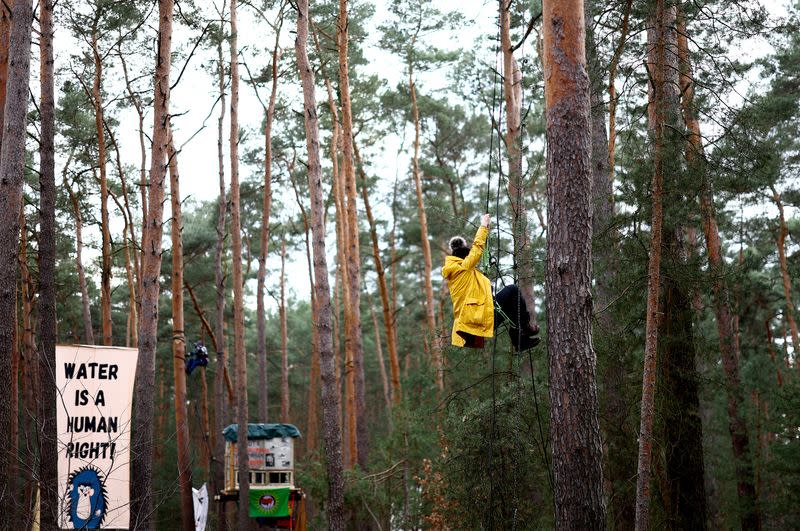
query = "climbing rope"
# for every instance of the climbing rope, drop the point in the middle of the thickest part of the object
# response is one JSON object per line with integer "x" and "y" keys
{"x": 494, "y": 262}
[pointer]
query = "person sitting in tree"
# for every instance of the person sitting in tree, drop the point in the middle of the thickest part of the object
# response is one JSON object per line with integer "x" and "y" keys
{"x": 197, "y": 357}
{"x": 474, "y": 314}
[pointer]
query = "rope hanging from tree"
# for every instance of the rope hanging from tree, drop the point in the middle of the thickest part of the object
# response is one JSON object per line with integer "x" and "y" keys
{"x": 494, "y": 262}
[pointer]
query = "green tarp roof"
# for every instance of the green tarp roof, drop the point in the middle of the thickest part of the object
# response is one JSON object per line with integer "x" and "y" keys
{"x": 262, "y": 431}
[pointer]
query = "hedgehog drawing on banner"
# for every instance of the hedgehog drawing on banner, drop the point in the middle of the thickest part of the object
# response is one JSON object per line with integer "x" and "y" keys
{"x": 86, "y": 502}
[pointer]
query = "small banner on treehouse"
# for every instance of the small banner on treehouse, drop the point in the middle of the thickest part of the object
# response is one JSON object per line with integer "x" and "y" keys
{"x": 269, "y": 503}
{"x": 93, "y": 401}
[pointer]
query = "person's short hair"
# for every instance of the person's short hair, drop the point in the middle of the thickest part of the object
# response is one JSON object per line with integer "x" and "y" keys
{"x": 458, "y": 247}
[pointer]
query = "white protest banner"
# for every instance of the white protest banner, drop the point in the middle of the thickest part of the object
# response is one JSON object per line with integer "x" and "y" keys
{"x": 200, "y": 498}
{"x": 95, "y": 394}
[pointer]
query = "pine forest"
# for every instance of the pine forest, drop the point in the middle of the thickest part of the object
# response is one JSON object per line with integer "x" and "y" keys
{"x": 400, "y": 264}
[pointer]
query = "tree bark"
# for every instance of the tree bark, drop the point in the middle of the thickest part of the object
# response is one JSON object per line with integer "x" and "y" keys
{"x": 353, "y": 335}
{"x": 430, "y": 315}
{"x": 261, "y": 317}
{"x": 239, "y": 354}
{"x": 12, "y": 171}
{"x": 5, "y": 37}
{"x": 131, "y": 261}
{"x": 105, "y": 276}
{"x": 729, "y": 347}
{"x": 783, "y": 231}
{"x": 662, "y": 25}
{"x": 221, "y": 413}
{"x": 330, "y": 396}
{"x": 179, "y": 346}
{"x": 88, "y": 334}
{"x": 135, "y": 99}
{"x": 311, "y": 427}
{"x": 130, "y": 281}
{"x": 381, "y": 365}
{"x": 46, "y": 419}
{"x": 342, "y": 285}
{"x": 388, "y": 318}
{"x": 142, "y": 503}
{"x": 574, "y": 426}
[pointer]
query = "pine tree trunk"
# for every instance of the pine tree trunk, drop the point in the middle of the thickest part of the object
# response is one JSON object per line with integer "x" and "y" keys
{"x": 353, "y": 252}
{"x": 221, "y": 413}
{"x": 105, "y": 276}
{"x": 131, "y": 261}
{"x": 311, "y": 427}
{"x": 5, "y": 37}
{"x": 12, "y": 170}
{"x": 131, "y": 324}
{"x": 680, "y": 464}
{"x": 337, "y": 353}
{"x": 143, "y": 501}
{"x": 574, "y": 427}
{"x": 512, "y": 94}
{"x": 284, "y": 341}
{"x": 729, "y": 348}
{"x": 239, "y": 354}
{"x": 381, "y": 365}
{"x": 261, "y": 317}
{"x": 430, "y": 316}
{"x": 783, "y": 231}
{"x": 393, "y": 250}
{"x": 330, "y": 396}
{"x": 137, "y": 104}
{"x": 388, "y": 319}
{"x": 179, "y": 346}
{"x": 88, "y": 334}
{"x": 663, "y": 22}
{"x": 342, "y": 286}
{"x": 46, "y": 420}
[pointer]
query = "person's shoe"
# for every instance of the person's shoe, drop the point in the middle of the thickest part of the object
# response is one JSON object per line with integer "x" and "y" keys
{"x": 522, "y": 342}
{"x": 528, "y": 342}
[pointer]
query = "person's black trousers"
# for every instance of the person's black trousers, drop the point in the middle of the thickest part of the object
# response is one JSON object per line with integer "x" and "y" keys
{"x": 522, "y": 334}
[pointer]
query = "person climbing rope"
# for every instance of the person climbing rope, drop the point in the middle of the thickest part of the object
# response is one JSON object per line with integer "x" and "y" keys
{"x": 476, "y": 315}
{"x": 198, "y": 357}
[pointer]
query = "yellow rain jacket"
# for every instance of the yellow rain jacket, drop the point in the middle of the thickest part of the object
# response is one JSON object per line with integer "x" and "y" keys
{"x": 471, "y": 293}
